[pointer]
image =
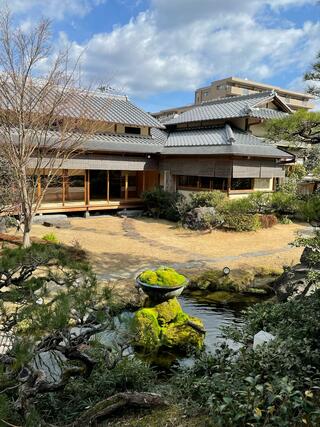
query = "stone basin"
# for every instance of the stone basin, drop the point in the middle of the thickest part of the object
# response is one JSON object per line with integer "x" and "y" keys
{"x": 160, "y": 293}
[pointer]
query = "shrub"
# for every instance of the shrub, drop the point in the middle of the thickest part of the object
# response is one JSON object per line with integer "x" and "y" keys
{"x": 284, "y": 202}
{"x": 162, "y": 204}
{"x": 242, "y": 222}
{"x": 275, "y": 384}
{"x": 211, "y": 199}
{"x": 310, "y": 208}
{"x": 285, "y": 220}
{"x": 297, "y": 171}
{"x": 268, "y": 221}
{"x": 50, "y": 237}
{"x": 237, "y": 206}
{"x": 259, "y": 202}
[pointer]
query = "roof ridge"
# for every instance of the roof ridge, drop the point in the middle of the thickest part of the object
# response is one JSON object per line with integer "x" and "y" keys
{"x": 227, "y": 99}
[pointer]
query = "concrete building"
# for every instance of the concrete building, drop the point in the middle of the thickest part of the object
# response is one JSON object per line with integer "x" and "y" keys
{"x": 234, "y": 86}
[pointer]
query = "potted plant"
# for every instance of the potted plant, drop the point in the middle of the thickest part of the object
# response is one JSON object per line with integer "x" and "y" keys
{"x": 161, "y": 284}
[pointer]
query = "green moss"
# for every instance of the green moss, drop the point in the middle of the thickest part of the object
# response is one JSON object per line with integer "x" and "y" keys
{"x": 163, "y": 276}
{"x": 149, "y": 276}
{"x": 146, "y": 329}
{"x": 182, "y": 335}
{"x": 165, "y": 325}
{"x": 168, "y": 311}
{"x": 239, "y": 280}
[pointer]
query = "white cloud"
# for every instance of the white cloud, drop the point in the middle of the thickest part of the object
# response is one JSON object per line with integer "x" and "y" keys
{"x": 55, "y": 9}
{"x": 179, "y": 44}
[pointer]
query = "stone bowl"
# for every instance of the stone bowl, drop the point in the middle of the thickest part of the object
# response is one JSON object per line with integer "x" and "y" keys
{"x": 160, "y": 293}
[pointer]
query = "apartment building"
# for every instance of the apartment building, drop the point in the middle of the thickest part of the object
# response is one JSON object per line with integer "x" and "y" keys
{"x": 234, "y": 86}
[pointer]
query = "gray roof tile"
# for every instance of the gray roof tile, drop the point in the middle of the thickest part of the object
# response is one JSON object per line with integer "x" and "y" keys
{"x": 93, "y": 105}
{"x": 227, "y": 108}
{"x": 219, "y": 140}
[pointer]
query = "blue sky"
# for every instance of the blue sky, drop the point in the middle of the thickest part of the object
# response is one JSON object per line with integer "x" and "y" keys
{"x": 159, "y": 51}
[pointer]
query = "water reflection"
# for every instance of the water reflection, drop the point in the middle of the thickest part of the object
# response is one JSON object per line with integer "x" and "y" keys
{"x": 216, "y": 309}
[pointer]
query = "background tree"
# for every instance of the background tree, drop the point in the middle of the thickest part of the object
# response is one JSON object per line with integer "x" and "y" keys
{"x": 300, "y": 128}
{"x": 8, "y": 192}
{"x": 314, "y": 76}
{"x": 38, "y": 130}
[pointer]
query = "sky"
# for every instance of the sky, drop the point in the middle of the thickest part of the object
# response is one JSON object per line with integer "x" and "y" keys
{"x": 159, "y": 51}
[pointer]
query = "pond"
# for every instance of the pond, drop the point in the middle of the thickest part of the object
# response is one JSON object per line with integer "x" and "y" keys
{"x": 216, "y": 309}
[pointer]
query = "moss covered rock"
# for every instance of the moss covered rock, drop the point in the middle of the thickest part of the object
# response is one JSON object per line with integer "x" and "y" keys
{"x": 239, "y": 280}
{"x": 166, "y": 325}
{"x": 146, "y": 329}
{"x": 184, "y": 334}
{"x": 168, "y": 311}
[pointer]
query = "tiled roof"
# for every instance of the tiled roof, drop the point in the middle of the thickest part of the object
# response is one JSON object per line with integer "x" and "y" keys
{"x": 79, "y": 103}
{"x": 110, "y": 108}
{"x": 266, "y": 113}
{"x": 219, "y": 140}
{"x": 128, "y": 143}
{"x": 227, "y": 108}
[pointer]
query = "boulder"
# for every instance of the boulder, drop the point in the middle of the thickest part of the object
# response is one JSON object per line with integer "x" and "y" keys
{"x": 183, "y": 334}
{"x": 146, "y": 329}
{"x": 167, "y": 311}
{"x": 165, "y": 325}
{"x": 239, "y": 280}
{"x": 262, "y": 337}
{"x": 310, "y": 257}
{"x": 202, "y": 218}
{"x": 294, "y": 282}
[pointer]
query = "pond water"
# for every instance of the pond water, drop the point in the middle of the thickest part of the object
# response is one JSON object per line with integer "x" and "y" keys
{"x": 216, "y": 309}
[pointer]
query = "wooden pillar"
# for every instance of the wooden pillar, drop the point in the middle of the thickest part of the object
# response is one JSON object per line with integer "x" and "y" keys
{"x": 229, "y": 185}
{"x": 108, "y": 187}
{"x": 143, "y": 181}
{"x": 87, "y": 187}
{"x": 64, "y": 185}
{"x": 126, "y": 180}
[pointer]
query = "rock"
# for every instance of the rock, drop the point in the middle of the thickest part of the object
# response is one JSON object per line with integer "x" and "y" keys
{"x": 239, "y": 280}
{"x": 202, "y": 218}
{"x": 52, "y": 363}
{"x": 3, "y": 227}
{"x": 167, "y": 311}
{"x": 262, "y": 337}
{"x": 310, "y": 253}
{"x": 165, "y": 325}
{"x": 131, "y": 213}
{"x": 6, "y": 342}
{"x": 146, "y": 329}
{"x": 294, "y": 282}
{"x": 184, "y": 334}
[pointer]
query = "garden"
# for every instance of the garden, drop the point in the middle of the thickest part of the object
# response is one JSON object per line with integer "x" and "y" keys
{"x": 205, "y": 210}
{"x": 60, "y": 365}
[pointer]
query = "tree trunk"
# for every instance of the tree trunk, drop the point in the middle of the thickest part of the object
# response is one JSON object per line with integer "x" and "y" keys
{"x": 26, "y": 243}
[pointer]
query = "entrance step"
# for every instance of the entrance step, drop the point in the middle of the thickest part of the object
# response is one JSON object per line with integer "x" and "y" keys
{"x": 130, "y": 213}
{"x": 58, "y": 221}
